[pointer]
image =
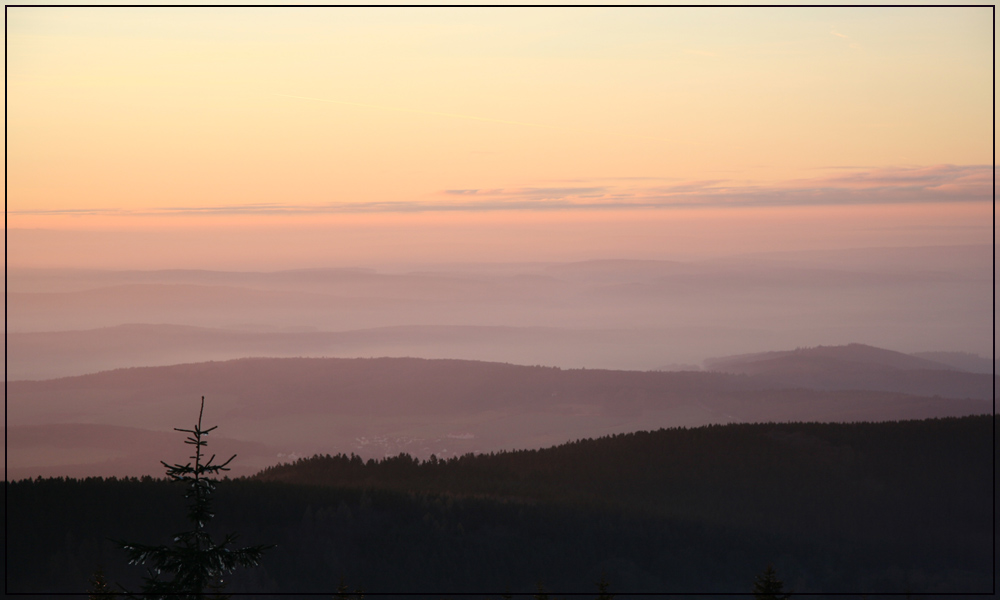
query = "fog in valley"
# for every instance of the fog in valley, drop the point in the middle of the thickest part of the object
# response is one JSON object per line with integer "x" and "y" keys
{"x": 903, "y": 334}
{"x": 609, "y": 314}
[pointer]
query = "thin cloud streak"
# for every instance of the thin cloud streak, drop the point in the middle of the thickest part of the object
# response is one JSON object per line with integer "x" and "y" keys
{"x": 939, "y": 183}
{"x": 534, "y": 192}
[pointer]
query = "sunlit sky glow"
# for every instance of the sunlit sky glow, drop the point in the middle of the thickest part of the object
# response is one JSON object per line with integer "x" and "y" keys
{"x": 434, "y": 123}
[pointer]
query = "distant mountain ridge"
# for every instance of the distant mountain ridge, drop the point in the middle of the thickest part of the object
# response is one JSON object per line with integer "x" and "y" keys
{"x": 617, "y": 313}
{"x": 965, "y": 361}
{"x": 857, "y": 367}
{"x": 52, "y": 354}
{"x": 853, "y": 353}
{"x": 383, "y": 406}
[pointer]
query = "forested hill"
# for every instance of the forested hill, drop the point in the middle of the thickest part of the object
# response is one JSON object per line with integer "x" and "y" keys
{"x": 900, "y": 507}
{"x": 804, "y": 476}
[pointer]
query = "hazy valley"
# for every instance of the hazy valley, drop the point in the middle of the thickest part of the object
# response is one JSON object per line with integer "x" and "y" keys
{"x": 612, "y": 314}
{"x": 620, "y": 345}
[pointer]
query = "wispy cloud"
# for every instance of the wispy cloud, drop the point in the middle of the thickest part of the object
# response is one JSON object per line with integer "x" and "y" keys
{"x": 843, "y": 186}
{"x": 941, "y": 183}
{"x": 72, "y": 211}
{"x": 538, "y": 193}
{"x": 853, "y": 44}
{"x": 976, "y": 180}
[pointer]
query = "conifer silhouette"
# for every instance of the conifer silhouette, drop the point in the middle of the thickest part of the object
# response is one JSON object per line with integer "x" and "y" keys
{"x": 195, "y": 561}
{"x": 602, "y": 588}
{"x": 767, "y": 586}
{"x": 99, "y": 587}
{"x": 541, "y": 593}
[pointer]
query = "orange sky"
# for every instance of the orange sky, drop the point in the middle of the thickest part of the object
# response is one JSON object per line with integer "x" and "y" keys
{"x": 369, "y": 135}
{"x": 264, "y": 243}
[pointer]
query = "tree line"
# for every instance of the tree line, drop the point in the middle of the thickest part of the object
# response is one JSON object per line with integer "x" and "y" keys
{"x": 690, "y": 510}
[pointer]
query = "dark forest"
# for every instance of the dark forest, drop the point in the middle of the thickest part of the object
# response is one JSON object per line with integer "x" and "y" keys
{"x": 902, "y": 507}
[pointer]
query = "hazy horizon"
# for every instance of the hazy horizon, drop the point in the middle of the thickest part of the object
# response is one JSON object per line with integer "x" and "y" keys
{"x": 631, "y": 189}
{"x": 615, "y": 314}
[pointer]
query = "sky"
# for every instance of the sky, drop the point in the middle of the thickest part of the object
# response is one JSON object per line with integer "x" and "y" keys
{"x": 301, "y": 137}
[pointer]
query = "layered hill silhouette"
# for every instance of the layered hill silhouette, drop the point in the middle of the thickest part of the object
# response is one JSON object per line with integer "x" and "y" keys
{"x": 51, "y": 354}
{"x": 379, "y": 407}
{"x": 610, "y": 314}
{"x": 859, "y": 367}
{"x": 964, "y": 361}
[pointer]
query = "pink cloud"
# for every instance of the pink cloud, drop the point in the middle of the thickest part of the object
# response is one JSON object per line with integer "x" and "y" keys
{"x": 853, "y": 186}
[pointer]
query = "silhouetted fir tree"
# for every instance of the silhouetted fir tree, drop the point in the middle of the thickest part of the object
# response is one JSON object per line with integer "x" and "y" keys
{"x": 602, "y": 588}
{"x": 343, "y": 592}
{"x": 767, "y": 586}
{"x": 195, "y": 561}
{"x": 99, "y": 587}
{"x": 541, "y": 594}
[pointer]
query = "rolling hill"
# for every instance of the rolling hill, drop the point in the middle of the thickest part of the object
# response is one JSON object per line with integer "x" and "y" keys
{"x": 383, "y": 406}
{"x": 858, "y": 367}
